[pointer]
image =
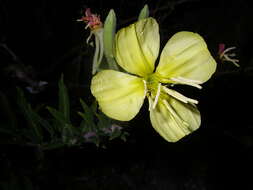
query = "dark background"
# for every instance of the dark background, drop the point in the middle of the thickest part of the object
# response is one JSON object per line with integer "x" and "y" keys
{"x": 45, "y": 36}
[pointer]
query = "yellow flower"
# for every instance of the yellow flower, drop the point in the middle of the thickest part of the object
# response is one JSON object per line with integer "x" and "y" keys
{"x": 185, "y": 59}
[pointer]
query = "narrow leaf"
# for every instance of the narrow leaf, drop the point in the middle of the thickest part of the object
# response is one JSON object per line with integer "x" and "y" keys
{"x": 88, "y": 116}
{"x": 8, "y": 111}
{"x": 115, "y": 134}
{"x": 27, "y": 183}
{"x": 65, "y": 128}
{"x": 64, "y": 100}
{"x": 53, "y": 146}
{"x": 44, "y": 123}
{"x": 87, "y": 111}
{"x": 29, "y": 116}
{"x": 103, "y": 121}
{"x": 83, "y": 127}
{"x": 59, "y": 116}
{"x": 6, "y": 131}
{"x": 144, "y": 13}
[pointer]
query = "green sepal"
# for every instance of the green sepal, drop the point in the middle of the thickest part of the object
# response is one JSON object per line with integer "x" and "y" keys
{"x": 144, "y": 13}
{"x": 109, "y": 34}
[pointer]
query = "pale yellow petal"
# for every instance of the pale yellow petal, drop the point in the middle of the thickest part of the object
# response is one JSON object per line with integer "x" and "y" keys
{"x": 137, "y": 47}
{"x": 173, "y": 119}
{"x": 186, "y": 55}
{"x": 119, "y": 95}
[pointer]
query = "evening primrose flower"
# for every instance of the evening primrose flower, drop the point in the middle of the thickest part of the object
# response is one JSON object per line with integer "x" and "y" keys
{"x": 185, "y": 60}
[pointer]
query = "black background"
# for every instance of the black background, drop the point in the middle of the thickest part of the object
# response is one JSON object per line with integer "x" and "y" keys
{"x": 46, "y": 36}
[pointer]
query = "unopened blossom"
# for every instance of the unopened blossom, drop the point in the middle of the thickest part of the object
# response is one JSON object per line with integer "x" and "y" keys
{"x": 96, "y": 28}
{"x": 92, "y": 20}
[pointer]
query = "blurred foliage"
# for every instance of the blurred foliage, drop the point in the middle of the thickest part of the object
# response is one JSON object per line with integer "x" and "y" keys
{"x": 58, "y": 130}
{"x": 31, "y": 125}
{"x": 17, "y": 183}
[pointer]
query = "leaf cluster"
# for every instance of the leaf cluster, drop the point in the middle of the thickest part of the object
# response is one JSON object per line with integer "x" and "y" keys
{"x": 56, "y": 129}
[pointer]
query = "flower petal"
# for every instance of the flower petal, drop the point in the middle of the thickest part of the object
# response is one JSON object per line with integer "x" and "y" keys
{"x": 173, "y": 119}
{"x": 137, "y": 46}
{"x": 186, "y": 55}
{"x": 119, "y": 95}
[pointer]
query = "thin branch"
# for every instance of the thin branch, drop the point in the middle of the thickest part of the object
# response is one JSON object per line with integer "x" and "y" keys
{"x": 12, "y": 54}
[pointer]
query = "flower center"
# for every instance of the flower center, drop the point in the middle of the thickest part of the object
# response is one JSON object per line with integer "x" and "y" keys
{"x": 152, "y": 83}
{"x": 155, "y": 90}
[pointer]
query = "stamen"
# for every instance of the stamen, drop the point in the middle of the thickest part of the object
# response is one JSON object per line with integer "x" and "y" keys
{"x": 145, "y": 88}
{"x": 149, "y": 103}
{"x": 234, "y": 61}
{"x": 176, "y": 116}
{"x": 157, "y": 95}
{"x": 190, "y": 82}
{"x": 225, "y": 56}
{"x": 179, "y": 96}
{"x": 87, "y": 26}
{"x": 227, "y": 50}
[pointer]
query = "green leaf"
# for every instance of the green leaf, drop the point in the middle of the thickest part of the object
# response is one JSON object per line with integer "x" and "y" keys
{"x": 28, "y": 134}
{"x": 8, "y": 111}
{"x": 109, "y": 34}
{"x": 27, "y": 183}
{"x": 83, "y": 126}
{"x": 124, "y": 135}
{"x": 64, "y": 100}
{"x": 87, "y": 111}
{"x": 6, "y": 130}
{"x": 59, "y": 116}
{"x": 70, "y": 135}
{"x": 44, "y": 123}
{"x": 94, "y": 106}
{"x": 115, "y": 134}
{"x": 53, "y": 146}
{"x": 103, "y": 121}
{"x": 144, "y": 13}
{"x": 88, "y": 117}
{"x": 30, "y": 117}
{"x": 65, "y": 128}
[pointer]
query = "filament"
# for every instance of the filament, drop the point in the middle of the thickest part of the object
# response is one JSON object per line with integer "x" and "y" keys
{"x": 157, "y": 95}
{"x": 179, "y": 96}
{"x": 190, "y": 82}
